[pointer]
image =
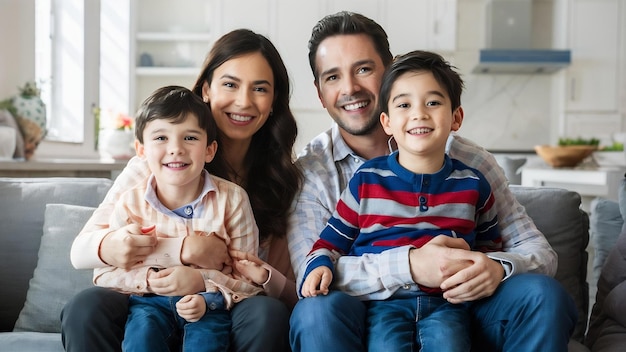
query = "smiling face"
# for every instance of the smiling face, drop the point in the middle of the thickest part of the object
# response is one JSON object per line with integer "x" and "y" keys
{"x": 350, "y": 73}
{"x": 241, "y": 94}
{"x": 176, "y": 152}
{"x": 420, "y": 119}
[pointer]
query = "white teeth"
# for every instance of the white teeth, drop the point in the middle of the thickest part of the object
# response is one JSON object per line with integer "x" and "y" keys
{"x": 355, "y": 106}
{"x": 421, "y": 130}
{"x": 176, "y": 165}
{"x": 240, "y": 118}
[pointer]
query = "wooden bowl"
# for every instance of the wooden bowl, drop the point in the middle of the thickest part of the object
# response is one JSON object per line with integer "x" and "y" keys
{"x": 564, "y": 156}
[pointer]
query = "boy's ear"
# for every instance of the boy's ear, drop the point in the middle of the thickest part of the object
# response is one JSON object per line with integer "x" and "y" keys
{"x": 139, "y": 149}
{"x": 211, "y": 149}
{"x": 385, "y": 121}
{"x": 457, "y": 119}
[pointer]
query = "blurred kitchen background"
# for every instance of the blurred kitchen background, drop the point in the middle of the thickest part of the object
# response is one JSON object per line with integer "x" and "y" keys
{"x": 559, "y": 69}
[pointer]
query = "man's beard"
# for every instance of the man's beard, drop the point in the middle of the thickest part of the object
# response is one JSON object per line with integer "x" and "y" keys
{"x": 368, "y": 128}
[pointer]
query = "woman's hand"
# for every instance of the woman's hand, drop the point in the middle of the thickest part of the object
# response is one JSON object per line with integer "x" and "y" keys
{"x": 176, "y": 281}
{"x": 250, "y": 266}
{"x": 191, "y": 307}
{"x": 128, "y": 246}
{"x": 207, "y": 252}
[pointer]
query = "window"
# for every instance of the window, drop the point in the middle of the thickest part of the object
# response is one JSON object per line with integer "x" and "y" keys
{"x": 75, "y": 72}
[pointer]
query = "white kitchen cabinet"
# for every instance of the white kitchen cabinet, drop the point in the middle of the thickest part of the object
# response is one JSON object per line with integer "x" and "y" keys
{"x": 594, "y": 28}
{"x": 594, "y": 79}
{"x": 421, "y": 24}
{"x": 171, "y": 40}
{"x": 177, "y": 35}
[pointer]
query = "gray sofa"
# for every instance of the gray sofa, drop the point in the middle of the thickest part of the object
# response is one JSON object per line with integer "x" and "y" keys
{"x": 607, "y": 323}
{"x": 40, "y": 218}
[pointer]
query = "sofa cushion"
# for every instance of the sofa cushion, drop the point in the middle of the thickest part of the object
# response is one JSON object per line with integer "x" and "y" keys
{"x": 31, "y": 342}
{"x": 55, "y": 280}
{"x": 21, "y": 228}
{"x": 605, "y": 226}
{"x": 557, "y": 214}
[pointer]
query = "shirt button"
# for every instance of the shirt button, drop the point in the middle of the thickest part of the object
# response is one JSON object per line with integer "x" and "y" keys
{"x": 212, "y": 306}
{"x": 188, "y": 210}
{"x": 357, "y": 160}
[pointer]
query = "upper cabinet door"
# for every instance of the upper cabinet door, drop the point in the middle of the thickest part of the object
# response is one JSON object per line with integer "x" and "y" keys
{"x": 594, "y": 29}
{"x": 421, "y": 24}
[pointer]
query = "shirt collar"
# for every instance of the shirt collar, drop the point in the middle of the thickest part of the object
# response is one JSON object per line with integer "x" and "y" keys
{"x": 152, "y": 199}
{"x": 341, "y": 150}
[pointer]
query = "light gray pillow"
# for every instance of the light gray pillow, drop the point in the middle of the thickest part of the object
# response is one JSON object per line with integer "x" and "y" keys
{"x": 55, "y": 280}
{"x": 605, "y": 227}
{"x": 557, "y": 214}
{"x": 512, "y": 169}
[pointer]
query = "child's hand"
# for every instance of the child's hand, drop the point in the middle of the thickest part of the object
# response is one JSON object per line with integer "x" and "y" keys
{"x": 317, "y": 282}
{"x": 250, "y": 266}
{"x": 191, "y": 307}
{"x": 128, "y": 246}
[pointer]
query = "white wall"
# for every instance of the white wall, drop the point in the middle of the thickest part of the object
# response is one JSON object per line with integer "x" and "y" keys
{"x": 17, "y": 52}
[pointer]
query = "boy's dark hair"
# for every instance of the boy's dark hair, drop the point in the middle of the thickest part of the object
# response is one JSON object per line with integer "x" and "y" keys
{"x": 343, "y": 23}
{"x": 419, "y": 60}
{"x": 174, "y": 103}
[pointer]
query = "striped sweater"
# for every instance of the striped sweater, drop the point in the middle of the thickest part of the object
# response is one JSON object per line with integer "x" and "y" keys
{"x": 387, "y": 206}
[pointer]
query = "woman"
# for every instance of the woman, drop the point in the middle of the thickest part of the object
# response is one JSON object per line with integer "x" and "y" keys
{"x": 246, "y": 85}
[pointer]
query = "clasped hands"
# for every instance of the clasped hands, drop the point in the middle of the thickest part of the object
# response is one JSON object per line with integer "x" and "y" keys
{"x": 444, "y": 262}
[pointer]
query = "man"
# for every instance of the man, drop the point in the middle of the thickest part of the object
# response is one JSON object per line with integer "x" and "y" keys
{"x": 507, "y": 300}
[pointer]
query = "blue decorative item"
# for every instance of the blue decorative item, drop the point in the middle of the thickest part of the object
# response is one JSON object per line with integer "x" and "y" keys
{"x": 145, "y": 60}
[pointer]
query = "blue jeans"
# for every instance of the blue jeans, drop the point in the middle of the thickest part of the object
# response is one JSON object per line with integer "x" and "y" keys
{"x": 94, "y": 319}
{"x": 419, "y": 321}
{"x": 528, "y": 312}
{"x": 153, "y": 322}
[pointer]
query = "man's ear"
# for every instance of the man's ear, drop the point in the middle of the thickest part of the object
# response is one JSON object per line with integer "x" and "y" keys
{"x": 457, "y": 119}
{"x": 139, "y": 149}
{"x": 385, "y": 121}
{"x": 211, "y": 149}
{"x": 319, "y": 93}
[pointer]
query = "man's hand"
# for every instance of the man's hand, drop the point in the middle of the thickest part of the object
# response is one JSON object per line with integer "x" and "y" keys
{"x": 448, "y": 263}
{"x": 208, "y": 252}
{"x": 176, "y": 281}
{"x": 317, "y": 282}
{"x": 437, "y": 260}
{"x": 191, "y": 307}
{"x": 477, "y": 281}
{"x": 128, "y": 246}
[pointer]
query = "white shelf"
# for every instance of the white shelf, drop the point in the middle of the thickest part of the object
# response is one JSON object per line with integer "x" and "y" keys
{"x": 167, "y": 71}
{"x": 173, "y": 36}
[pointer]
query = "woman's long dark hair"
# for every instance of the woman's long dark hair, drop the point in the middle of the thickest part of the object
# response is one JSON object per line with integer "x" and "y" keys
{"x": 272, "y": 178}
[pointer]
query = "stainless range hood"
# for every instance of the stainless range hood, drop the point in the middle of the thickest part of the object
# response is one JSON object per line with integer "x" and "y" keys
{"x": 509, "y": 41}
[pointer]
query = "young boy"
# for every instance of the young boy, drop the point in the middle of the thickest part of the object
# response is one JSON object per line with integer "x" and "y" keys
{"x": 176, "y": 134}
{"x": 409, "y": 197}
